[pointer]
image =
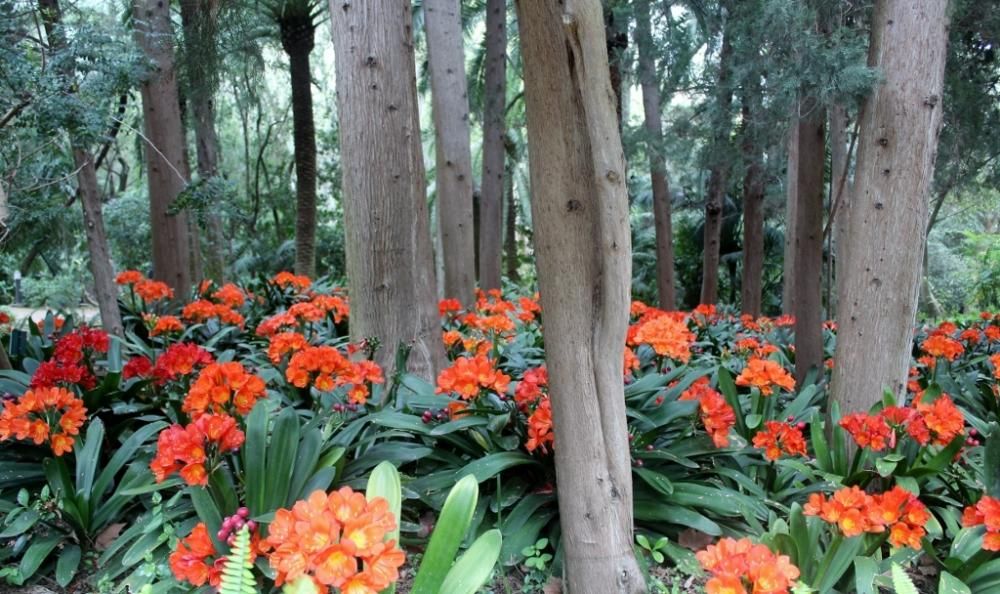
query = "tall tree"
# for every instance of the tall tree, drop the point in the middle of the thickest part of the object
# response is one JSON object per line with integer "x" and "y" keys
{"x": 649, "y": 81}
{"x": 199, "y": 19}
{"x": 753, "y": 203}
{"x": 582, "y": 245}
{"x": 718, "y": 177}
{"x": 791, "y": 200}
{"x": 88, "y": 191}
{"x": 495, "y": 103}
{"x": 165, "y": 152}
{"x": 899, "y": 127}
{"x": 453, "y": 155}
{"x": 390, "y": 268}
{"x": 296, "y": 20}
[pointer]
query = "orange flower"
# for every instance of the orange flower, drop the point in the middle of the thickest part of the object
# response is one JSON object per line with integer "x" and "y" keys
{"x": 286, "y": 279}
{"x": 284, "y": 343}
{"x": 986, "y": 511}
{"x": 780, "y": 437}
{"x": 151, "y": 291}
{"x": 530, "y": 389}
{"x": 449, "y": 306}
{"x": 856, "y": 512}
{"x": 230, "y": 295}
{"x": 221, "y": 387}
{"x": 326, "y": 369}
{"x": 129, "y": 277}
{"x": 995, "y": 361}
{"x": 187, "y": 449}
{"x": 868, "y": 431}
{"x": 529, "y": 309}
{"x": 191, "y": 561}
{"x": 765, "y": 375}
{"x": 274, "y": 324}
{"x": 540, "y": 428}
{"x": 179, "y": 360}
{"x": 741, "y": 566}
{"x": 337, "y": 540}
{"x": 451, "y": 338}
{"x": 940, "y": 345}
{"x": 469, "y": 376}
{"x": 163, "y": 324}
{"x": 631, "y": 362}
{"x": 716, "y": 414}
{"x": 943, "y": 418}
{"x": 338, "y": 306}
{"x": 44, "y": 414}
{"x": 306, "y": 312}
{"x": 667, "y": 335}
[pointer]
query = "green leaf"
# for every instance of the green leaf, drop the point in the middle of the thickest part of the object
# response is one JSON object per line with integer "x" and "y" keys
{"x": 885, "y": 467}
{"x": 473, "y": 568}
{"x": 87, "y": 458}
{"x": 950, "y": 584}
{"x": 237, "y": 574}
{"x": 69, "y": 561}
{"x": 456, "y": 515}
{"x": 208, "y": 511}
{"x": 124, "y": 454}
{"x": 384, "y": 483}
{"x": 656, "y": 480}
{"x": 305, "y": 463}
{"x": 20, "y": 524}
{"x": 489, "y": 466}
{"x": 865, "y": 569}
{"x": 753, "y": 420}
{"x": 281, "y": 452}
{"x": 991, "y": 470}
{"x": 901, "y": 582}
{"x": 36, "y": 554}
{"x": 254, "y": 457}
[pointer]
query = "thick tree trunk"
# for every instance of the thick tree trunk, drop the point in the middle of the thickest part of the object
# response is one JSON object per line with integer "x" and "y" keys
{"x": 666, "y": 290}
{"x": 753, "y": 212}
{"x": 390, "y": 268}
{"x": 900, "y": 122}
{"x": 809, "y": 212}
{"x": 90, "y": 197}
{"x": 791, "y": 200}
{"x": 718, "y": 178}
{"x": 839, "y": 188}
{"x": 450, "y": 106}
{"x": 164, "y": 153}
{"x": 495, "y": 103}
{"x": 510, "y": 231}
{"x": 199, "y": 20}
{"x": 582, "y": 245}
{"x": 297, "y": 37}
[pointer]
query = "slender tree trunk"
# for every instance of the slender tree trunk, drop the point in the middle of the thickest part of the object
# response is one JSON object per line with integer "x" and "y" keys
{"x": 839, "y": 187}
{"x": 900, "y": 122}
{"x": 164, "y": 152}
{"x": 298, "y": 34}
{"x": 390, "y": 267}
{"x": 491, "y": 196}
{"x": 666, "y": 290}
{"x": 450, "y": 103}
{"x": 90, "y": 197}
{"x": 582, "y": 245}
{"x": 809, "y": 239}
{"x": 616, "y": 36}
{"x": 718, "y": 178}
{"x": 753, "y": 210}
{"x": 791, "y": 201}
{"x": 199, "y": 20}
{"x": 510, "y": 239}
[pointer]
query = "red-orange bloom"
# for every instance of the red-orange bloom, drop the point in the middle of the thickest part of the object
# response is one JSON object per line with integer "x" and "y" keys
{"x": 540, "y": 434}
{"x": 778, "y": 438}
{"x": 230, "y": 295}
{"x": 667, "y": 335}
{"x": 716, "y": 414}
{"x": 44, "y": 414}
{"x": 164, "y": 325}
{"x": 469, "y": 376}
{"x": 223, "y": 387}
{"x": 180, "y": 360}
{"x": 337, "y": 540}
{"x": 741, "y": 566}
{"x": 129, "y": 277}
{"x": 986, "y": 512}
{"x": 856, "y": 512}
{"x": 192, "y": 560}
{"x": 868, "y": 431}
{"x": 765, "y": 375}
{"x": 943, "y": 418}
{"x": 995, "y": 361}
{"x": 941, "y": 345}
{"x": 530, "y": 389}
{"x": 325, "y": 368}
{"x": 151, "y": 291}
{"x": 286, "y": 279}
{"x": 186, "y": 449}
{"x": 284, "y": 343}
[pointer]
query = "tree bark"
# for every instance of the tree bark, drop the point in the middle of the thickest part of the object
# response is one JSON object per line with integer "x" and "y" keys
{"x": 616, "y": 37}
{"x": 718, "y": 178}
{"x": 453, "y": 155}
{"x": 199, "y": 20}
{"x": 809, "y": 239}
{"x": 665, "y": 287}
{"x": 510, "y": 231}
{"x": 298, "y": 32}
{"x": 791, "y": 200}
{"x": 900, "y": 123}
{"x": 164, "y": 153}
{"x": 582, "y": 245}
{"x": 390, "y": 268}
{"x": 90, "y": 197}
{"x": 839, "y": 188}
{"x": 753, "y": 210}
{"x": 495, "y": 104}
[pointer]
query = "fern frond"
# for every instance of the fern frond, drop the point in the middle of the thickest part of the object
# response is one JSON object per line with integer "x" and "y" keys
{"x": 901, "y": 583}
{"x": 237, "y": 574}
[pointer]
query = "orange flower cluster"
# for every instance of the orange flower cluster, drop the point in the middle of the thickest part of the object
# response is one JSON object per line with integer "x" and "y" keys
{"x": 716, "y": 414}
{"x": 180, "y": 360}
{"x": 630, "y": 363}
{"x": 743, "y": 567}
{"x": 986, "y": 511}
{"x": 337, "y": 540}
{"x": 44, "y": 414}
{"x": 162, "y": 324}
{"x": 530, "y": 309}
{"x": 995, "y": 361}
{"x": 778, "y": 438}
{"x": 192, "y": 560}
{"x": 203, "y": 310}
{"x": 755, "y": 346}
{"x": 129, "y": 277}
{"x": 274, "y": 324}
{"x": 869, "y": 431}
{"x": 941, "y": 345}
{"x": 856, "y": 512}
{"x": 495, "y": 324}
{"x": 765, "y": 375}
{"x": 326, "y": 368}
{"x": 469, "y": 376}
{"x": 540, "y": 434}
{"x": 187, "y": 449}
{"x": 286, "y": 279}
{"x": 939, "y": 422}
{"x": 530, "y": 389}
{"x": 223, "y": 387}
{"x": 447, "y": 307}
{"x": 151, "y": 291}
{"x": 283, "y": 343}
{"x": 230, "y": 295}
{"x": 333, "y": 304}
{"x": 667, "y": 334}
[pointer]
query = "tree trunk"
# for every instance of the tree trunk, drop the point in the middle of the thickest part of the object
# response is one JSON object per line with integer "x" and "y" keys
{"x": 791, "y": 200}
{"x": 753, "y": 210}
{"x": 582, "y": 245}
{"x": 453, "y": 155}
{"x": 495, "y": 103}
{"x": 900, "y": 122}
{"x": 390, "y": 267}
{"x": 298, "y": 34}
{"x": 718, "y": 178}
{"x": 510, "y": 239}
{"x": 809, "y": 212}
{"x": 666, "y": 290}
{"x": 199, "y": 20}
{"x": 616, "y": 37}
{"x": 164, "y": 153}
{"x": 90, "y": 197}
{"x": 839, "y": 188}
